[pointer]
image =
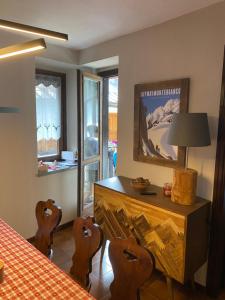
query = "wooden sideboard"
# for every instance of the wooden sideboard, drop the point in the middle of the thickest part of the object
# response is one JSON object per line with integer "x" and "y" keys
{"x": 176, "y": 235}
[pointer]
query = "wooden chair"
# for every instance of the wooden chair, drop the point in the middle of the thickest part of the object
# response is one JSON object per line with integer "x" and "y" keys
{"x": 48, "y": 218}
{"x": 88, "y": 240}
{"x": 132, "y": 266}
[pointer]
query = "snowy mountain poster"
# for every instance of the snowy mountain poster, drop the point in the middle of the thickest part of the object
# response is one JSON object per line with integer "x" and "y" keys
{"x": 155, "y": 104}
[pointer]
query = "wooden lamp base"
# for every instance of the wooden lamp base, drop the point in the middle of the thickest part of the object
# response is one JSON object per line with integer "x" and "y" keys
{"x": 184, "y": 186}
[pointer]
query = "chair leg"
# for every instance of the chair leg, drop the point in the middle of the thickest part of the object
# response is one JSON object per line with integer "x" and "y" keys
{"x": 169, "y": 282}
{"x": 103, "y": 248}
{"x": 50, "y": 255}
{"x": 193, "y": 287}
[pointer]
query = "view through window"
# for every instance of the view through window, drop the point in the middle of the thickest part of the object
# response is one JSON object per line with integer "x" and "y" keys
{"x": 112, "y": 116}
{"x": 48, "y": 115}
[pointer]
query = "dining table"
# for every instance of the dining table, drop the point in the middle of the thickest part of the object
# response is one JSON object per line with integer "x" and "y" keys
{"x": 28, "y": 274}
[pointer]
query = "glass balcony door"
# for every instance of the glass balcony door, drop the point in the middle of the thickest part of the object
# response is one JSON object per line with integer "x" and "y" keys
{"x": 91, "y": 139}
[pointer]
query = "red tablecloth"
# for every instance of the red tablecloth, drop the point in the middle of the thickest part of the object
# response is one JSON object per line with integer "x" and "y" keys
{"x": 30, "y": 275}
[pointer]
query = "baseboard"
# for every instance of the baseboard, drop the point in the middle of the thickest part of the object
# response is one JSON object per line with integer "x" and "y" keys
{"x": 200, "y": 287}
{"x": 59, "y": 228}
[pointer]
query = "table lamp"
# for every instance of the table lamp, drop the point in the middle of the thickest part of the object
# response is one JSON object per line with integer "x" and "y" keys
{"x": 187, "y": 130}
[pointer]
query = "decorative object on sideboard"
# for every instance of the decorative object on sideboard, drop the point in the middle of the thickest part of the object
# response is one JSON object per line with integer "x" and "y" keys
{"x": 154, "y": 106}
{"x": 187, "y": 130}
{"x": 167, "y": 188}
{"x": 140, "y": 184}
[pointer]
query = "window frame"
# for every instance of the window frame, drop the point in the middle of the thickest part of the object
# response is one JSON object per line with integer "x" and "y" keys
{"x": 63, "y": 138}
{"x": 105, "y": 76}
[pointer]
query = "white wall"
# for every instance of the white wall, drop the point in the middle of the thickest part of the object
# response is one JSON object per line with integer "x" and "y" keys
{"x": 20, "y": 188}
{"x": 72, "y": 110}
{"x": 190, "y": 46}
{"x": 17, "y": 131}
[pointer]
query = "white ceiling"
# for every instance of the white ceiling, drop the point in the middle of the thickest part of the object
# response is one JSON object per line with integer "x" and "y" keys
{"x": 94, "y": 21}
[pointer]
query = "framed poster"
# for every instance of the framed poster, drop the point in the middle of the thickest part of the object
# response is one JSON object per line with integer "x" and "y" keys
{"x": 154, "y": 105}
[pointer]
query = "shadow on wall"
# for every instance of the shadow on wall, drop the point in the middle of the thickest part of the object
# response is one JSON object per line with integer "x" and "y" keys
{"x": 205, "y": 185}
{"x": 213, "y": 126}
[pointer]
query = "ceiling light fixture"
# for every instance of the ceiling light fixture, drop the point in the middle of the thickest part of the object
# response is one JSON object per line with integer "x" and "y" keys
{"x": 19, "y": 49}
{"x": 33, "y": 30}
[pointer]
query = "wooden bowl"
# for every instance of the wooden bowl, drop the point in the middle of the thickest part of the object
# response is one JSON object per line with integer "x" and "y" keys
{"x": 140, "y": 186}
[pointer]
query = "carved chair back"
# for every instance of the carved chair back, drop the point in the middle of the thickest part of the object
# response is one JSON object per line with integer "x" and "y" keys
{"x": 88, "y": 240}
{"x": 132, "y": 266}
{"x": 48, "y": 218}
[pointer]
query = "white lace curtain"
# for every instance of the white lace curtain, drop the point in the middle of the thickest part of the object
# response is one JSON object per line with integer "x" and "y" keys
{"x": 48, "y": 107}
{"x": 48, "y": 80}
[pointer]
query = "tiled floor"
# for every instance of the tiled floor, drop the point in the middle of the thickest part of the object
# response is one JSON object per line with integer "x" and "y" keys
{"x": 102, "y": 275}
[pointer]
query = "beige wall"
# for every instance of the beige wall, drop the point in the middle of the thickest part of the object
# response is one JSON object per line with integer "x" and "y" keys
{"x": 20, "y": 188}
{"x": 190, "y": 46}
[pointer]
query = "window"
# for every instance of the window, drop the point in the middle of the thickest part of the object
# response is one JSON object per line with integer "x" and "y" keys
{"x": 50, "y": 114}
{"x": 109, "y": 122}
{"x": 113, "y": 108}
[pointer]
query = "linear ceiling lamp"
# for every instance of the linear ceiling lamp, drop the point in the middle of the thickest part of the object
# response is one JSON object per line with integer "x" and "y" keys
{"x": 18, "y": 49}
{"x": 33, "y": 30}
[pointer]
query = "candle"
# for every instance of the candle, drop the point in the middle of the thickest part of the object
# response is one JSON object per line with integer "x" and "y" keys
{"x": 1, "y": 271}
{"x": 167, "y": 189}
